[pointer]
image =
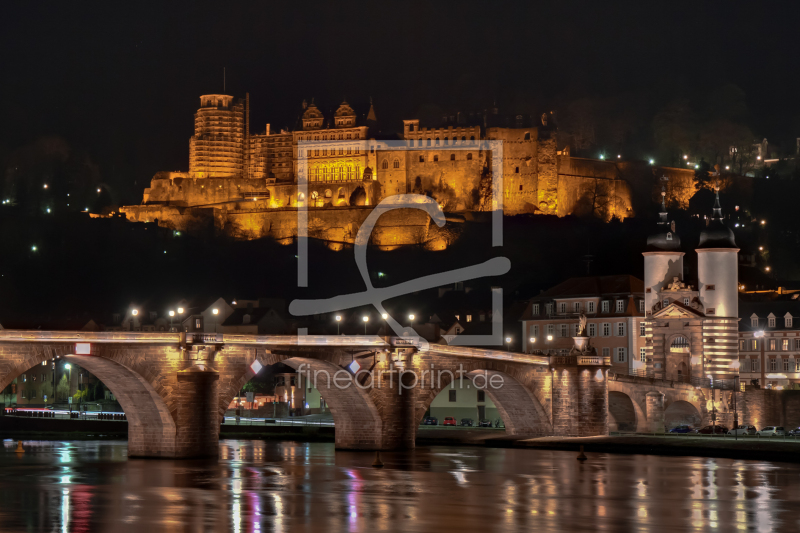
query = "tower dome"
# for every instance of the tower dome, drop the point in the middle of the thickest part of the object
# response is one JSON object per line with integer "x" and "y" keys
{"x": 716, "y": 234}
{"x": 664, "y": 237}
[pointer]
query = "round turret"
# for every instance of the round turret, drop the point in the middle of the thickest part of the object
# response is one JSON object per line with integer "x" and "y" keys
{"x": 663, "y": 260}
{"x": 718, "y": 267}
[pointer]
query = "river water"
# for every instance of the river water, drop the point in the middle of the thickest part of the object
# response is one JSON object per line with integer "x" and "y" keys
{"x": 265, "y": 486}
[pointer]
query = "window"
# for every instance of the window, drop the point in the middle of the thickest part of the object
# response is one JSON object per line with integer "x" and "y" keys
{"x": 773, "y": 365}
{"x": 785, "y": 345}
{"x": 437, "y": 141}
{"x": 606, "y": 329}
{"x": 520, "y": 187}
{"x": 385, "y": 164}
{"x": 787, "y": 322}
{"x": 641, "y": 329}
{"x": 754, "y": 345}
{"x": 786, "y": 365}
{"x": 452, "y": 395}
{"x": 772, "y": 344}
{"x": 754, "y": 322}
{"x": 551, "y": 329}
{"x": 797, "y": 344}
{"x": 469, "y": 157}
{"x": 481, "y": 396}
{"x": 562, "y": 307}
{"x": 422, "y": 159}
{"x": 575, "y": 328}
{"x": 549, "y": 308}
{"x": 710, "y": 287}
{"x": 620, "y": 329}
{"x": 641, "y": 306}
{"x": 643, "y": 355}
{"x": 576, "y": 307}
{"x": 754, "y": 365}
{"x": 535, "y": 330}
{"x": 590, "y": 307}
{"x": 604, "y": 306}
{"x": 452, "y": 157}
{"x": 527, "y": 136}
{"x": 771, "y": 322}
{"x": 620, "y": 355}
{"x": 686, "y": 302}
{"x": 665, "y": 302}
{"x": 620, "y": 306}
{"x": 436, "y": 158}
{"x": 592, "y": 330}
{"x": 469, "y": 318}
{"x": 535, "y": 309}
{"x": 516, "y": 170}
{"x": 396, "y": 163}
{"x": 711, "y": 311}
{"x": 742, "y": 345}
{"x": 563, "y": 330}
{"x": 606, "y": 352}
{"x": 24, "y": 378}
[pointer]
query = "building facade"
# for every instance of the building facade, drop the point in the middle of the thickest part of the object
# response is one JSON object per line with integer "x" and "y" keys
{"x": 614, "y": 307}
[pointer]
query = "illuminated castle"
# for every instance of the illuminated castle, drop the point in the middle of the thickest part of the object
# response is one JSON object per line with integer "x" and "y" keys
{"x": 243, "y": 182}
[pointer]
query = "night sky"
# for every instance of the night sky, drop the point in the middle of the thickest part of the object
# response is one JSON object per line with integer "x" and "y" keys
{"x": 120, "y": 81}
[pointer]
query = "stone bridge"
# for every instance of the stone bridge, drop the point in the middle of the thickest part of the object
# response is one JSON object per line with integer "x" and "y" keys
{"x": 646, "y": 405}
{"x": 176, "y": 387}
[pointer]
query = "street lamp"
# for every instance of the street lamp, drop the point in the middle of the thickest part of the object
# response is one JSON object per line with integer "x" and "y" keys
{"x": 180, "y": 310}
{"x": 549, "y": 337}
{"x": 215, "y": 312}
{"x": 338, "y": 319}
{"x": 508, "y": 344}
{"x": 68, "y": 368}
{"x": 365, "y": 318}
{"x": 134, "y": 312}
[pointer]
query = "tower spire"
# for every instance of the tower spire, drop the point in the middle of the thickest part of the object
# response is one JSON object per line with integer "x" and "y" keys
{"x": 717, "y": 207}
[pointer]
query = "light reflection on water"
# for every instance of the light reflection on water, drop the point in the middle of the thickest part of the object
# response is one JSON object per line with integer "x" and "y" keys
{"x": 285, "y": 486}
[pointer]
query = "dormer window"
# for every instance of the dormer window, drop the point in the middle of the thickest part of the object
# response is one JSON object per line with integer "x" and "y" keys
{"x": 562, "y": 307}
{"x": 535, "y": 309}
{"x": 754, "y": 322}
{"x": 590, "y": 307}
{"x": 576, "y": 307}
{"x": 787, "y": 321}
{"x": 604, "y": 306}
{"x": 620, "y": 306}
{"x": 771, "y": 322}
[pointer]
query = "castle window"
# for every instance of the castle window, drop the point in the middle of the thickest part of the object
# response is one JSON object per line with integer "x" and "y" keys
{"x": 527, "y": 136}
{"x": 396, "y": 163}
{"x": 472, "y": 139}
{"x": 516, "y": 170}
{"x": 410, "y": 127}
{"x": 436, "y": 158}
{"x": 463, "y": 138}
{"x": 349, "y": 150}
{"x": 324, "y": 151}
{"x": 520, "y": 187}
{"x": 349, "y": 135}
{"x": 429, "y": 142}
{"x": 356, "y": 136}
{"x": 422, "y": 159}
{"x": 452, "y": 157}
{"x": 469, "y": 157}
{"x": 384, "y": 164}
{"x": 446, "y": 141}
{"x": 316, "y": 152}
{"x": 437, "y": 141}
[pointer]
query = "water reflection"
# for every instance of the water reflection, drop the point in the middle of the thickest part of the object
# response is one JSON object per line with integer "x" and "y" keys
{"x": 284, "y": 486}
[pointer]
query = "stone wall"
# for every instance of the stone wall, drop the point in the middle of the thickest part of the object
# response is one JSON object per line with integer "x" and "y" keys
{"x": 766, "y": 407}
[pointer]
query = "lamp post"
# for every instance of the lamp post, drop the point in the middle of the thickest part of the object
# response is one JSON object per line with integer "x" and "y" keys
{"x": 171, "y": 316}
{"x": 411, "y": 318}
{"x": 338, "y": 320}
{"x": 365, "y": 318}
{"x": 68, "y": 368}
{"x": 134, "y": 313}
{"x": 508, "y": 344}
{"x": 215, "y": 312}
{"x": 180, "y": 312}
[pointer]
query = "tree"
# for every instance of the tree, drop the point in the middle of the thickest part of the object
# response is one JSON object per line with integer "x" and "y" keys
{"x": 46, "y": 389}
{"x": 580, "y": 123}
{"x": 674, "y": 131}
{"x": 254, "y": 386}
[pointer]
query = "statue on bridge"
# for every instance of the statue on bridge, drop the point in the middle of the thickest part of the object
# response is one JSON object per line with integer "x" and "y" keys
{"x": 582, "y": 325}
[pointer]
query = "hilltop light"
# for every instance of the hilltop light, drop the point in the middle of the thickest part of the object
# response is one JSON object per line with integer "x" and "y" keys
{"x": 651, "y": 161}
{"x": 686, "y": 157}
{"x": 45, "y": 185}
{"x": 33, "y": 248}
{"x": 602, "y": 156}
{"x": 727, "y": 167}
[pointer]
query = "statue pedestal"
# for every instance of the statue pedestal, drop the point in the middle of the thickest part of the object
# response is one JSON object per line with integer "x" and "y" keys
{"x": 581, "y": 343}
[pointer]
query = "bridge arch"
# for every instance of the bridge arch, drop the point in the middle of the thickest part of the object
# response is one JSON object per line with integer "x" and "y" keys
{"x": 520, "y": 409}
{"x": 357, "y": 422}
{"x": 623, "y": 413}
{"x": 679, "y": 412}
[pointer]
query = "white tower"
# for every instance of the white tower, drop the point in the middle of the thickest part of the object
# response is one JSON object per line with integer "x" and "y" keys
{"x": 718, "y": 267}
{"x": 663, "y": 259}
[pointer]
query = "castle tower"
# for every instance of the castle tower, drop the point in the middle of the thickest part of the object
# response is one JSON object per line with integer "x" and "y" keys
{"x": 663, "y": 260}
{"x": 216, "y": 150}
{"x": 717, "y": 267}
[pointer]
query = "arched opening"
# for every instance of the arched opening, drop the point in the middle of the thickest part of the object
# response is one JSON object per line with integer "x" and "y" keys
{"x": 681, "y": 412}
{"x": 621, "y": 412}
{"x": 312, "y": 393}
{"x": 518, "y": 409}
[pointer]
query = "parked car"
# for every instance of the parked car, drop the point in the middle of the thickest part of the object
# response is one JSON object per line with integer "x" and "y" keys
{"x": 449, "y": 421}
{"x": 772, "y": 431}
{"x": 743, "y": 430}
{"x": 430, "y": 421}
{"x": 485, "y": 423}
{"x": 712, "y": 430}
{"x": 681, "y": 429}
{"x": 794, "y": 432}
{"x": 467, "y": 422}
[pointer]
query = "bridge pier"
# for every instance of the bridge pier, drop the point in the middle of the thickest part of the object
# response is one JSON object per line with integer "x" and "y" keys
{"x": 197, "y": 423}
{"x": 655, "y": 412}
{"x": 580, "y": 397}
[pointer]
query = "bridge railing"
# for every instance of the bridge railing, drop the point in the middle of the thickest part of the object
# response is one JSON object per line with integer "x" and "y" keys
{"x": 706, "y": 383}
